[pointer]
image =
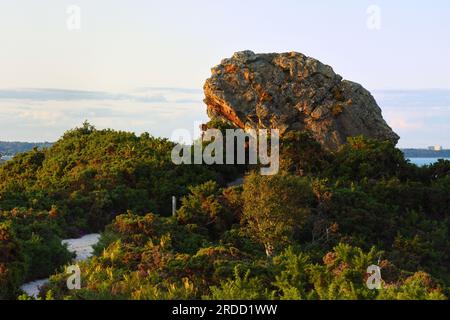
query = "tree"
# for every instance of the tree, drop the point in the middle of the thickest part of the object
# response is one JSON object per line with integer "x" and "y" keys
{"x": 274, "y": 206}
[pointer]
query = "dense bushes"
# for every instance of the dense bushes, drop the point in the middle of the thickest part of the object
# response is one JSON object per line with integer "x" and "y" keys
{"x": 145, "y": 265}
{"x": 309, "y": 232}
{"x": 90, "y": 176}
{"x": 77, "y": 186}
{"x": 325, "y": 234}
{"x": 205, "y": 210}
{"x": 30, "y": 249}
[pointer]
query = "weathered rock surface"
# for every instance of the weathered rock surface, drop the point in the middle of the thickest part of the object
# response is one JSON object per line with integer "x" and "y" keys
{"x": 290, "y": 91}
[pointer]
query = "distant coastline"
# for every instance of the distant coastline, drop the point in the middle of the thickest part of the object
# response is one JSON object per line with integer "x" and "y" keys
{"x": 425, "y": 153}
{"x": 9, "y": 149}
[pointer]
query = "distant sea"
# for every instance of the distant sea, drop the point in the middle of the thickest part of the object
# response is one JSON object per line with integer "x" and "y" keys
{"x": 425, "y": 161}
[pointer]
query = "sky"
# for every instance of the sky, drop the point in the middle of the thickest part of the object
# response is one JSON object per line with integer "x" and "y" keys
{"x": 140, "y": 65}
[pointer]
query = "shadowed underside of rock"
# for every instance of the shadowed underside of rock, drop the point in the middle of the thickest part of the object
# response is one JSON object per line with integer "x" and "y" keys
{"x": 290, "y": 91}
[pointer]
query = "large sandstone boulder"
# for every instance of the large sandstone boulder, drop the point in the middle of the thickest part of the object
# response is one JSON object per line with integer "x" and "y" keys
{"x": 290, "y": 91}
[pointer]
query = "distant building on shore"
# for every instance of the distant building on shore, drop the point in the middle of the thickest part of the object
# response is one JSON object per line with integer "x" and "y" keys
{"x": 436, "y": 148}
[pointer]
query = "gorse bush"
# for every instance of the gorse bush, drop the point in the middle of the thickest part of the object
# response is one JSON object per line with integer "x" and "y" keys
{"x": 309, "y": 232}
{"x": 90, "y": 176}
{"x": 127, "y": 269}
{"x": 30, "y": 249}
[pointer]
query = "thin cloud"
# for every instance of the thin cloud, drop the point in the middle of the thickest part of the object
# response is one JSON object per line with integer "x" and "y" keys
{"x": 171, "y": 89}
{"x": 143, "y": 95}
{"x": 188, "y": 101}
{"x": 426, "y": 98}
{"x": 51, "y": 94}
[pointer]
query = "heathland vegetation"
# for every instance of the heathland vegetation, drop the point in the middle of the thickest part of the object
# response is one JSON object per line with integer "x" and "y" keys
{"x": 309, "y": 232}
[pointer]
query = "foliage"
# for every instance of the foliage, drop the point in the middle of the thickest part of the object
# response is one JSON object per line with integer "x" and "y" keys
{"x": 239, "y": 288}
{"x": 309, "y": 232}
{"x": 274, "y": 206}
{"x": 89, "y": 176}
{"x": 30, "y": 249}
{"x": 302, "y": 155}
{"x": 205, "y": 208}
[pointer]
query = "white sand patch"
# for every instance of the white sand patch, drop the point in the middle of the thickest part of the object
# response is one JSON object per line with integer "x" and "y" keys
{"x": 32, "y": 288}
{"x": 82, "y": 246}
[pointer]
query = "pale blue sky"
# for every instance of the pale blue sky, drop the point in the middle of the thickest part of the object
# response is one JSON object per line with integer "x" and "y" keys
{"x": 127, "y": 65}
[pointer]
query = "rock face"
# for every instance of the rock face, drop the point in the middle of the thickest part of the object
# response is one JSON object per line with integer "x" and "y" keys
{"x": 290, "y": 91}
